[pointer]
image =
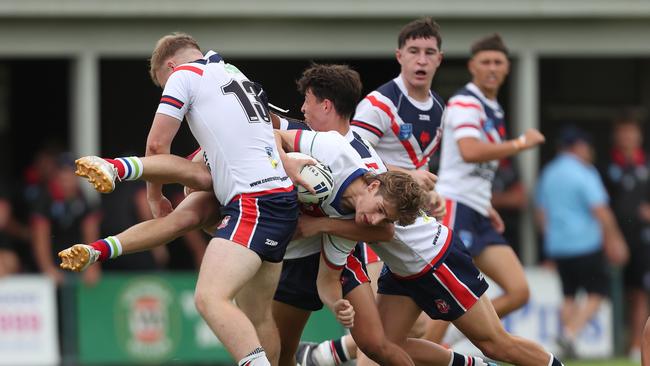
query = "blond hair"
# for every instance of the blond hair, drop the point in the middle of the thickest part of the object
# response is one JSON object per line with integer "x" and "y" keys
{"x": 167, "y": 47}
{"x": 402, "y": 191}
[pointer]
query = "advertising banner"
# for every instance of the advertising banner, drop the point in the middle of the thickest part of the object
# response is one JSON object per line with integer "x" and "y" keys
{"x": 28, "y": 326}
{"x": 152, "y": 319}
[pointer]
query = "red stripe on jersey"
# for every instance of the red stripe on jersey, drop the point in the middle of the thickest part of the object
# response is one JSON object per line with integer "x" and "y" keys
{"x": 354, "y": 265}
{"x": 296, "y": 140}
{"x": 263, "y": 193}
{"x": 335, "y": 355}
{"x": 464, "y": 105}
{"x": 470, "y": 360}
{"x": 176, "y": 103}
{"x": 247, "y": 222}
{"x": 395, "y": 127}
{"x": 368, "y": 127}
{"x": 433, "y": 262}
{"x": 458, "y": 290}
{"x": 327, "y": 261}
{"x": 449, "y": 219}
{"x": 193, "y": 69}
{"x": 466, "y": 125}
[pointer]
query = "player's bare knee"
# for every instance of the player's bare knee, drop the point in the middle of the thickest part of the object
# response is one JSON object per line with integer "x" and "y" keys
{"x": 519, "y": 295}
{"x": 373, "y": 347}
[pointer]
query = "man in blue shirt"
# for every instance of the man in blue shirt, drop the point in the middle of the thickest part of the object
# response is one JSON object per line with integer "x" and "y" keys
{"x": 580, "y": 231}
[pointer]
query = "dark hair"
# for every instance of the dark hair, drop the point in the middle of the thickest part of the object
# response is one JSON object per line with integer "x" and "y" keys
{"x": 571, "y": 135}
{"x": 630, "y": 116}
{"x": 493, "y": 42}
{"x": 420, "y": 28}
{"x": 338, "y": 83}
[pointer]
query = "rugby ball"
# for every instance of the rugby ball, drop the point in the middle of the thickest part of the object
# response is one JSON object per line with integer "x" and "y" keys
{"x": 319, "y": 176}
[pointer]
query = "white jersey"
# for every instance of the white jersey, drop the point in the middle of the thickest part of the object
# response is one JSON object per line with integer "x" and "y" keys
{"x": 415, "y": 248}
{"x": 230, "y": 123}
{"x": 335, "y": 249}
{"x": 404, "y": 131}
{"x": 469, "y": 114}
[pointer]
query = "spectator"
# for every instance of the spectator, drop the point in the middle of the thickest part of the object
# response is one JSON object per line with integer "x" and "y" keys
{"x": 580, "y": 231}
{"x": 628, "y": 180}
{"x": 9, "y": 262}
{"x": 59, "y": 216}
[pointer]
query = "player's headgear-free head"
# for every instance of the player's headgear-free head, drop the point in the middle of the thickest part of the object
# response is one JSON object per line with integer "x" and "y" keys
{"x": 167, "y": 47}
{"x": 338, "y": 83}
{"x": 420, "y": 28}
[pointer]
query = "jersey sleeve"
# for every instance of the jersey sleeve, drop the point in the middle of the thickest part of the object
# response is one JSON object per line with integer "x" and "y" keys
{"x": 176, "y": 97}
{"x": 292, "y": 124}
{"x": 336, "y": 250}
{"x": 463, "y": 117}
{"x": 370, "y": 122}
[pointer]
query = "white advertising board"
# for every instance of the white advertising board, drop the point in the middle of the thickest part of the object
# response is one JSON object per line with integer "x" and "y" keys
{"x": 539, "y": 320}
{"x": 28, "y": 326}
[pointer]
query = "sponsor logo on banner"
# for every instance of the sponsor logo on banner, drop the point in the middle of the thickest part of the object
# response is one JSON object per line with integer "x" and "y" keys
{"x": 149, "y": 325}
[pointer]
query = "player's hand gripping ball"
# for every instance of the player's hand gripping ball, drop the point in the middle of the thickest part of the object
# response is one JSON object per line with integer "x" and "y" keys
{"x": 318, "y": 176}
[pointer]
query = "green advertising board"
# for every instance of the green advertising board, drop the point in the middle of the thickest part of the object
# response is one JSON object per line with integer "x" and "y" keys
{"x": 151, "y": 319}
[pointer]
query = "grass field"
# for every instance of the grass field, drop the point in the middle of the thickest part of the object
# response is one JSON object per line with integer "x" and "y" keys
{"x": 615, "y": 362}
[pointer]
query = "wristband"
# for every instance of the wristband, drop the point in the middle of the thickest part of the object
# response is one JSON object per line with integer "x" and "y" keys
{"x": 519, "y": 143}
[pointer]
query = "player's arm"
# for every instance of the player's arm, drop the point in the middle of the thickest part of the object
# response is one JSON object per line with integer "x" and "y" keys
{"x": 285, "y": 140}
{"x": 159, "y": 141}
{"x": 613, "y": 241}
{"x": 474, "y": 150}
{"x": 348, "y": 229}
{"x": 330, "y": 292}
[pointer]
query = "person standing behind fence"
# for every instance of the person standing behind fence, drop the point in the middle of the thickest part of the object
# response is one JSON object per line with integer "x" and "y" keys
{"x": 627, "y": 178}
{"x": 580, "y": 231}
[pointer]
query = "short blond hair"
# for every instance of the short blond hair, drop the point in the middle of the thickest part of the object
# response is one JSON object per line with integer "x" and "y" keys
{"x": 402, "y": 191}
{"x": 167, "y": 47}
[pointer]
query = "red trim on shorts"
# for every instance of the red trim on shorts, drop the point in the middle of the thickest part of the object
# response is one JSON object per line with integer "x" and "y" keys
{"x": 370, "y": 255}
{"x": 463, "y": 296}
{"x": 464, "y": 105}
{"x": 354, "y": 265}
{"x": 193, "y": 69}
{"x": 395, "y": 127}
{"x": 431, "y": 264}
{"x": 263, "y": 193}
{"x": 249, "y": 213}
{"x": 192, "y": 155}
{"x": 335, "y": 356}
{"x": 450, "y": 218}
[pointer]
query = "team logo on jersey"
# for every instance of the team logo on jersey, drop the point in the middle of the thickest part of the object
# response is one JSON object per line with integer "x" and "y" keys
{"x": 442, "y": 306}
{"x": 224, "y": 223}
{"x": 405, "y": 131}
{"x": 271, "y": 155}
{"x": 425, "y": 138}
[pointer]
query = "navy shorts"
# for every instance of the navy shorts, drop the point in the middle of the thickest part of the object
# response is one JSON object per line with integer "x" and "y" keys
{"x": 473, "y": 229}
{"x": 367, "y": 255}
{"x": 297, "y": 286}
{"x": 588, "y": 272}
{"x": 445, "y": 292}
{"x": 263, "y": 222}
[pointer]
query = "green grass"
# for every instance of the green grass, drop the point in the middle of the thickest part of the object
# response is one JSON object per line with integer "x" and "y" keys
{"x": 614, "y": 362}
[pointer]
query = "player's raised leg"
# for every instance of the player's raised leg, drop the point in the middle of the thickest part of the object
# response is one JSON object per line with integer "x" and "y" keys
{"x": 482, "y": 326}
{"x": 197, "y": 210}
{"x": 164, "y": 168}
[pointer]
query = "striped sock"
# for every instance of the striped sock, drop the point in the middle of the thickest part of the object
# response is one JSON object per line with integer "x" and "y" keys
{"x": 554, "y": 361}
{"x": 330, "y": 353}
{"x": 255, "y": 358}
{"x": 109, "y": 248}
{"x": 462, "y": 360}
{"x": 129, "y": 168}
